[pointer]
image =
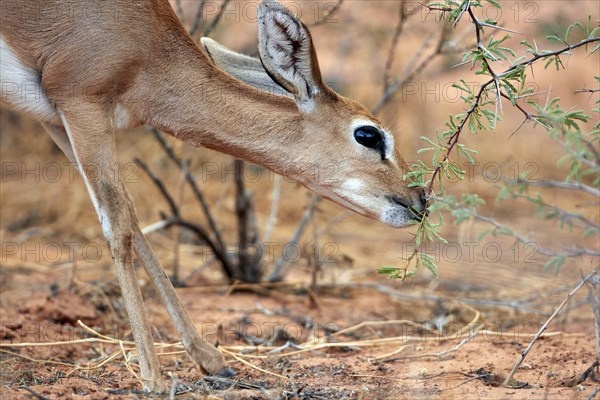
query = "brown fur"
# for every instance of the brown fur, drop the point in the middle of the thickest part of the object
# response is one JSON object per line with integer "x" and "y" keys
{"x": 94, "y": 56}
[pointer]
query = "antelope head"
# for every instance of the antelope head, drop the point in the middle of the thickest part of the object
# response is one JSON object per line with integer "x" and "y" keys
{"x": 343, "y": 152}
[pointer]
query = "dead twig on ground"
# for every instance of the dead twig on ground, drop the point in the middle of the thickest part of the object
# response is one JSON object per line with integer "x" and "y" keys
{"x": 589, "y": 371}
{"x": 34, "y": 393}
{"x": 509, "y": 378}
{"x": 593, "y": 297}
{"x": 440, "y": 355}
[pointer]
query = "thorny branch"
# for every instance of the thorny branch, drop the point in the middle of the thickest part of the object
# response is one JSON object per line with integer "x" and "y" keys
{"x": 454, "y": 138}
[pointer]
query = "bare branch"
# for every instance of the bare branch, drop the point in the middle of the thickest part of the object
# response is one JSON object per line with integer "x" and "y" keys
{"x": 247, "y": 236}
{"x": 275, "y": 195}
{"x": 219, "y": 251}
{"x": 564, "y": 185}
{"x": 393, "y": 87}
{"x": 392, "y": 53}
{"x": 523, "y": 239}
{"x": 278, "y": 273}
{"x": 587, "y": 91}
{"x": 595, "y": 300}
{"x": 160, "y": 185}
{"x": 198, "y": 19}
{"x": 193, "y": 184}
{"x": 217, "y": 18}
{"x": 180, "y": 12}
{"x": 509, "y": 378}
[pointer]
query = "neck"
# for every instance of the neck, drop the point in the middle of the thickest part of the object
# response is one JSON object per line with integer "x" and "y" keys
{"x": 203, "y": 106}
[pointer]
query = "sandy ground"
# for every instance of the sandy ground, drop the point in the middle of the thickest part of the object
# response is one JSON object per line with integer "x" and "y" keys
{"x": 55, "y": 268}
{"x": 399, "y": 355}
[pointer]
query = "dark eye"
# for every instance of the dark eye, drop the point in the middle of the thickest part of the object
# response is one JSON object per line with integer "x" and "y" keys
{"x": 369, "y": 136}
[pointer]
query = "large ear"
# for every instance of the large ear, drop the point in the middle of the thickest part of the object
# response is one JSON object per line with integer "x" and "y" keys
{"x": 244, "y": 68}
{"x": 287, "y": 53}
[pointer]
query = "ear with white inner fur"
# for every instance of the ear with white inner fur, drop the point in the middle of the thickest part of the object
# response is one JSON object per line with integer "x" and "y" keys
{"x": 287, "y": 53}
{"x": 242, "y": 67}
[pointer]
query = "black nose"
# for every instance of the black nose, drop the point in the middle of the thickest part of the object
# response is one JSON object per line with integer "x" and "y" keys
{"x": 417, "y": 214}
{"x": 399, "y": 201}
{"x": 423, "y": 198}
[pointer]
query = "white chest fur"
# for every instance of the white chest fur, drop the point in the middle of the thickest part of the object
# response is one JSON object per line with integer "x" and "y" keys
{"x": 20, "y": 86}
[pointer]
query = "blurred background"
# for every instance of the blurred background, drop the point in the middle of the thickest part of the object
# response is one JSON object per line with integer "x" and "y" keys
{"x": 44, "y": 204}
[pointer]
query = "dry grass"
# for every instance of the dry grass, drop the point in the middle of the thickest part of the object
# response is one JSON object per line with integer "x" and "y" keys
{"x": 47, "y": 212}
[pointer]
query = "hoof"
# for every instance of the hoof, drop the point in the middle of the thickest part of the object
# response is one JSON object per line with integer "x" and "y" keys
{"x": 225, "y": 373}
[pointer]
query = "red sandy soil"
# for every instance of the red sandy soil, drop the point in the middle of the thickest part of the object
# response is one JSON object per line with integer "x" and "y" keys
{"x": 42, "y": 298}
{"x": 555, "y": 368}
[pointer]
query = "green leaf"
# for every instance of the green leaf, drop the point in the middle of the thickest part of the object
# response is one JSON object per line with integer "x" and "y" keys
{"x": 494, "y": 3}
{"x": 431, "y": 142}
{"x": 568, "y": 32}
{"x": 483, "y": 234}
{"x": 555, "y": 262}
{"x": 526, "y": 44}
{"x": 503, "y": 194}
{"x": 466, "y": 152}
{"x": 555, "y": 38}
{"x": 578, "y": 24}
{"x": 503, "y": 231}
{"x": 428, "y": 261}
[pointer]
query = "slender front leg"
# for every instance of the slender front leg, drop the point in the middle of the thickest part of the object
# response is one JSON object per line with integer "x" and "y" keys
{"x": 203, "y": 353}
{"x": 93, "y": 147}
